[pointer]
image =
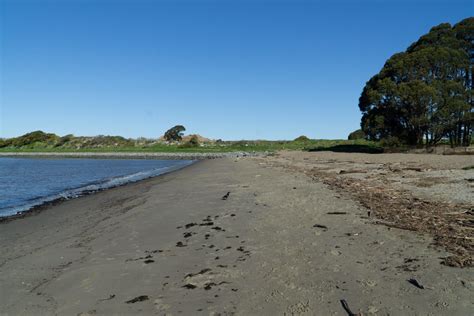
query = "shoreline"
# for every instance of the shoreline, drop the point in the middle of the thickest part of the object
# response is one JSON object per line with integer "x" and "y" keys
{"x": 35, "y": 210}
{"x": 130, "y": 155}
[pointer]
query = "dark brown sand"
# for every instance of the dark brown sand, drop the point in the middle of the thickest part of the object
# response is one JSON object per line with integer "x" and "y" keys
{"x": 173, "y": 245}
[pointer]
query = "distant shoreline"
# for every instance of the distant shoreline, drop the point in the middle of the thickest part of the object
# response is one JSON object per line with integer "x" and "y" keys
{"x": 126, "y": 155}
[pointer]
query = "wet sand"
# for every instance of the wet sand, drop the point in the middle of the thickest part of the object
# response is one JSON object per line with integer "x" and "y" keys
{"x": 280, "y": 243}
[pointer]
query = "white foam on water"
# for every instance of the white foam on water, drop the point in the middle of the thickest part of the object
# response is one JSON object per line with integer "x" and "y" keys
{"x": 92, "y": 187}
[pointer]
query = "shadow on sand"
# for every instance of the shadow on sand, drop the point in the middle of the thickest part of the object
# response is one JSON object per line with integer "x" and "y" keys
{"x": 349, "y": 149}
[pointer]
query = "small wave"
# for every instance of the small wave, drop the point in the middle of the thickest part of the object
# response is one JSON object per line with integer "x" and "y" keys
{"x": 90, "y": 188}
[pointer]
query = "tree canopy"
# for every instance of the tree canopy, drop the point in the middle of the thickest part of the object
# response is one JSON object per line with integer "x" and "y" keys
{"x": 357, "y": 134}
{"x": 175, "y": 133}
{"x": 424, "y": 95}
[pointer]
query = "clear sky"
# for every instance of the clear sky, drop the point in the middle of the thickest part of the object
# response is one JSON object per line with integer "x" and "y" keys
{"x": 223, "y": 69}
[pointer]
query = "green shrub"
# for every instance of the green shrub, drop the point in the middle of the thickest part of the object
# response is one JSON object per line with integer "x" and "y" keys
{"x": 34, "y": 137}
{"x": 357, "y": 134}
{"x": 191, "y": 143}
{"x": 4, "y": 143}
{"x": 63, "y": 140}
{"x": 391, "y": 141}
{"x": 301, "y": 139}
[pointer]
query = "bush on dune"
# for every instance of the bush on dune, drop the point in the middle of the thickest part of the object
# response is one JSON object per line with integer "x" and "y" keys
{"x": 193, "y": 142}
{"x": 301, "y": 139}
{"x": 33, "y": 139}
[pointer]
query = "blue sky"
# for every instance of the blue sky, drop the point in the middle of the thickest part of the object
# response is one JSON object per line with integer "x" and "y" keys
{"x": 224, "y": 69}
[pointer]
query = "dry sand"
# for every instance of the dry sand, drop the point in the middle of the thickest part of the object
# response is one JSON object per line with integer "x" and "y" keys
{"x": 129, "y": 250}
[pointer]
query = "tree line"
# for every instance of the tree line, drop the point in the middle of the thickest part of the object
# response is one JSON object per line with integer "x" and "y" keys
{"x": 424, "y": 95}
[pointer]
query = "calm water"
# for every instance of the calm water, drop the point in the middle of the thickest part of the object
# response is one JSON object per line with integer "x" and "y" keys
{"x": 27, "y": 182}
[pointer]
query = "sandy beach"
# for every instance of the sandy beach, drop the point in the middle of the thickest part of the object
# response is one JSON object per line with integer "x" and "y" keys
{"x": 283, "y": 241}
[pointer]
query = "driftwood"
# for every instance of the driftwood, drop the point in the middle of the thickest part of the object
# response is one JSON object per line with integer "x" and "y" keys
{"x": 320, "y": 226}
{"x": 416, "y": 283}
{"x": 226, "y": 196}
{"x": 140, "y": 298}
{"x": 347, "y": 309}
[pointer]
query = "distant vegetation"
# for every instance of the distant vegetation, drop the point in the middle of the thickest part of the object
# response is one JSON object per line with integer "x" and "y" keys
{"x": 174, "y": 134}
{"x": 302, "y": 138}
{"x": 193, "y": 142}
{"x": 424, "y": 96}
{"x": 39, "y": 141}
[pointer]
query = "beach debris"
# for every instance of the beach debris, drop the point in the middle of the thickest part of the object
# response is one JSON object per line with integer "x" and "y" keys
{"x": 190, "y": 225}
{"x": 140, "y": 298}
{"x": 209, "y": 285}
{"x": 187, "y": 234}
{"x": 189, "y": 286}
{"x": 148, "y": 261}
{"x": 207, "y": 224}
{"x": 347, "y": 309}
{"x": 217, "y": 228}
{"x": 336, "y": 213}
{"x": 140, "y": 258}
{"x": 343, "y": 171}
{"x": 353, "y": 234}
{"x": 111, "y": 296}
{"x": 153, "y": 251}
{"x": 320, "y": 226}
{"x": 180, "y": 244}
{"x": 458, "y": 261}
{"x": 226, "y": 196}
{"x": 416, "y": 283}
{"x": 464, "y": 284}
{"x": 190, "y": 275}
{"x": 417, "y": 169}
{"x": 449, "y": 223}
